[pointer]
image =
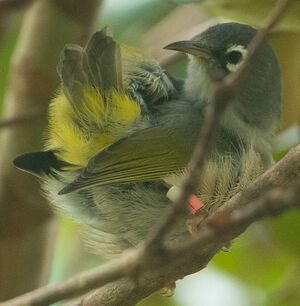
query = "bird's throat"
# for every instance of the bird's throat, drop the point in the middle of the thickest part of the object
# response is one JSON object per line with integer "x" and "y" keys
{"x": 198, "y": 83}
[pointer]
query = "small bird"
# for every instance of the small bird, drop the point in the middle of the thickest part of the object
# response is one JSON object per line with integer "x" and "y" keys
{"x": 119, "y": 141}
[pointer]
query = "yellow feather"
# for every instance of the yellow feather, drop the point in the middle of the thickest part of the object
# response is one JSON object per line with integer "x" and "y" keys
{"x": 134, "y": 61}
{"x": 79, "y": 132}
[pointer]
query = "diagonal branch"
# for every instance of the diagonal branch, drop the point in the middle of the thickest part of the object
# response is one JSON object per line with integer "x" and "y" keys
{"x": 193, "y": 255}
{"x": 28, "y": 118}
{"x": 256, "y": 203}
{"x": 158, "y": 268}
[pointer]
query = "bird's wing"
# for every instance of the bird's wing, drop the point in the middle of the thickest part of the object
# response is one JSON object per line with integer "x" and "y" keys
{"x": 147, "y": 155}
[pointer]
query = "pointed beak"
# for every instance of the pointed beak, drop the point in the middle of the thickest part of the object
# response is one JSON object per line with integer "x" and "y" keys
{"x": 190, "y": 47}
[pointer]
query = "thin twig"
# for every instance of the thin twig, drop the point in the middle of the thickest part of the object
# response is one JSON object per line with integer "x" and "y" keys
{"x": 223, "y": 94}
{"x": 275, "y": 16}
{"x": 21, "y": 120}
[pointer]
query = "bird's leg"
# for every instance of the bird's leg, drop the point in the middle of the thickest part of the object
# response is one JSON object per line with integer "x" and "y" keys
{"x": 227, "y": 246}
{"x": 198, "y": 209}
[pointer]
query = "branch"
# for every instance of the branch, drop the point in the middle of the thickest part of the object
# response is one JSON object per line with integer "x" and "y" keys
{"x": 139, "y": 272}
{"x": 29, "y": 117}
{"x": 244, "y": 204}
{"x": 195, "y": 254}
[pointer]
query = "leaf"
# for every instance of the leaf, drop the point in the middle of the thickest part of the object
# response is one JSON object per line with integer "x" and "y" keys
{"x": 255, "y": 258}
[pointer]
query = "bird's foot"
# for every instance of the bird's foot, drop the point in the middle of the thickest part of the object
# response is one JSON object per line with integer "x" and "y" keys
{"x": 168, "y": 290}
{"x": 227, "y": 247}
{"x": 195, "y": 223}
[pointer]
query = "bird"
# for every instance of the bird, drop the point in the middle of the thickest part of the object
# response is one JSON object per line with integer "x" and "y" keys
{"x": 118, "y": 146}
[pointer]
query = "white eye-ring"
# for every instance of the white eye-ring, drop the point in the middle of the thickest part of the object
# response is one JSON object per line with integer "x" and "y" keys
{"x": 235, "y": 55}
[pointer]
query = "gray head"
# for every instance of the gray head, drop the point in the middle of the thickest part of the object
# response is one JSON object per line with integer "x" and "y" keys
{"x": 219, "y": 51}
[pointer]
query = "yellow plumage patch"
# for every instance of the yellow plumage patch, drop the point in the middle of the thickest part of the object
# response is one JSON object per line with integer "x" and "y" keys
{"x": 78, "y": 132}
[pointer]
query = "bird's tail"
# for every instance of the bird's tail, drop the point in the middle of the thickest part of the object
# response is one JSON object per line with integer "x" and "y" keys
{"x": 92, "y": 109}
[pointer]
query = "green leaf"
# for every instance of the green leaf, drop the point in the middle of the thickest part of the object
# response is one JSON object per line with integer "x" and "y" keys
{"x": 285, "y": 232}
{"x": 255, "y": 258}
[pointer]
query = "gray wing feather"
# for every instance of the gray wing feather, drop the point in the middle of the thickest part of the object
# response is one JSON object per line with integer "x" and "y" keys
{"x": 98, "y": 65}
{"x": 102, "y": 60}
{"x": 71, "y": 72}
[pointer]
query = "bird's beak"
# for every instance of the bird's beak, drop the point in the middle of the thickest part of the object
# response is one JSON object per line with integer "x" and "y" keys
{"x": 190, "y": 47}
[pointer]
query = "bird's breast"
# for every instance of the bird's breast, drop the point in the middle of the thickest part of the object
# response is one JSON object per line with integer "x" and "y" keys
{"x": 222, "y": 177}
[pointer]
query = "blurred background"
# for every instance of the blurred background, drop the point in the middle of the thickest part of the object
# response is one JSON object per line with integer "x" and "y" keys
{"x": 263, "y": 266}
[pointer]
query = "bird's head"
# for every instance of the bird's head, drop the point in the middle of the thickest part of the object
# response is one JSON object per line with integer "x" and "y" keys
{"x": 220, "y": 50}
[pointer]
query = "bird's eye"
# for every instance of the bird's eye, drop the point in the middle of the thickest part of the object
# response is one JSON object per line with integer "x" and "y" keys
{"x": 233, "y": 57}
